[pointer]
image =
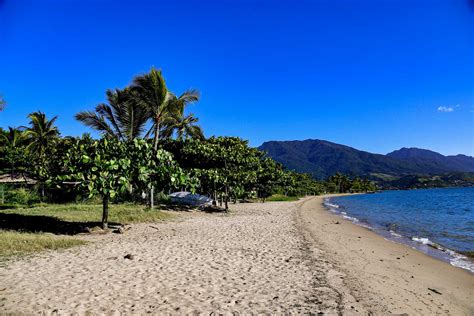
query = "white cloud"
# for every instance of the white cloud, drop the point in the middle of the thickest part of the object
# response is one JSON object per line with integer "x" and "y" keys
{"x": 445, "y": 109}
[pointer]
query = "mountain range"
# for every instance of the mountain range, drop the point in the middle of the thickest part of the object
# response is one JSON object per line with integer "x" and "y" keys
{"x": 321, "y": 159}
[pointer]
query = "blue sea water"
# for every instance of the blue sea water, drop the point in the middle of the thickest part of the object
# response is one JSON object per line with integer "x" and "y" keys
{"x": 439, "y": 222}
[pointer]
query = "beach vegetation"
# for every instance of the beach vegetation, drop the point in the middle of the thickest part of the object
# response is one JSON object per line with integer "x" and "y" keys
{"x": 121, "y": 117}
{"x": 58, "y": 218}
{"x": 281, "y": 198}
{"x": 13, "y": 243}
{"x": 148, "y": 142}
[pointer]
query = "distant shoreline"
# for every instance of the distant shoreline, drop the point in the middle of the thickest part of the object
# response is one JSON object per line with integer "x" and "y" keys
{"x": 392, "y": 271}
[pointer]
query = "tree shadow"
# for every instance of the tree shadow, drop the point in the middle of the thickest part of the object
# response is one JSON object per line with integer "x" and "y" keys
{"x": 46, "y": 224}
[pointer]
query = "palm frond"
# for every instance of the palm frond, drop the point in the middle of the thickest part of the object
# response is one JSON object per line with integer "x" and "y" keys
{"x": 97, "y": 122}
{"x": 123, "y": 117}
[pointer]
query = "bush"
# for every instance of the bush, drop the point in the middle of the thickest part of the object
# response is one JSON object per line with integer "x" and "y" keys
{"x": 21, "y": 196}
{"x": 162, "y": 198}
{"x": 281, "y": 198}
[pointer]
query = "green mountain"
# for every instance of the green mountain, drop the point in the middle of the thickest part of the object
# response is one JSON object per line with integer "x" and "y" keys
{"x": 322, "y": 159}
{"x": 435, "y": 161}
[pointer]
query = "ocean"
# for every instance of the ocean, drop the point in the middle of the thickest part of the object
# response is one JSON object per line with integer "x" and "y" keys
{"x": 438, "y": 222}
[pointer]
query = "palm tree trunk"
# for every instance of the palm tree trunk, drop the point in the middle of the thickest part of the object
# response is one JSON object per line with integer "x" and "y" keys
{"x": 155, "y": 149}
{"x": 157, "y": 136}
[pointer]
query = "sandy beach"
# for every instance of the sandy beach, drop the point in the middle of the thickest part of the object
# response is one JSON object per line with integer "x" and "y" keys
{"x": 386, "y": 277}
{"x": 278, "y": 257}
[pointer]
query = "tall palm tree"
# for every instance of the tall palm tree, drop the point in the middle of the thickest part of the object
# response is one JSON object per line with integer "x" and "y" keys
{"x": 163, "y": 107}
{"x": 184, "y": 125}
{"x": 122, "y": 118}
{"x": 41, "y": 135}
{"x": 151, "y": 93}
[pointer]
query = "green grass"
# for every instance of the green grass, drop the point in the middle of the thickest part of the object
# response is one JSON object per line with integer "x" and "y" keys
{"x": 25, "y": 230}
{"x": 281, "y": 198}
{"x": 14, "y": 243}
{"x": 77, "y": 213}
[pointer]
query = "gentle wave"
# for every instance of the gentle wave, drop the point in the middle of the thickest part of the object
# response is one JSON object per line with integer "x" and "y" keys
{"x": 454, "y": 258}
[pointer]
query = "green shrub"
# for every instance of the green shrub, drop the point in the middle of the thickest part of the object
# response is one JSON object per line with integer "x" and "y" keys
{"x": 21, "y": 196}
{"x": 281, "y": 198}
{"x": 162, "y": 198}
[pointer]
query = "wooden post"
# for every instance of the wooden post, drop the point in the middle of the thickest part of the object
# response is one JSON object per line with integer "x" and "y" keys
{"x": 105, "y": 212}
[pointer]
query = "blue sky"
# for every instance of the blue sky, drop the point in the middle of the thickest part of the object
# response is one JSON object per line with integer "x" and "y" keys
{"x": 375, "y": 75}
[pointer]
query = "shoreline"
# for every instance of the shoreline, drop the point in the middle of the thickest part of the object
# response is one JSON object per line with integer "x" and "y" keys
{"x": 380, "y": 272}
{"x": 269, "y": 258}
{"x": 423, "y": 245}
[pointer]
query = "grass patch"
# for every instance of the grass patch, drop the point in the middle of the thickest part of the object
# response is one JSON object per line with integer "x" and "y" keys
{"x": 14, "y": 243}
{"x": 71, "y": 219}
{"x": 281, "y": 198}
{"x": 25, "y": 230}
{"x": 84, "y": 213}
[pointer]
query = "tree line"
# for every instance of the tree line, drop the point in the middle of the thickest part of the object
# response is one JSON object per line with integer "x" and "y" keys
{"x": 149, "y": 144}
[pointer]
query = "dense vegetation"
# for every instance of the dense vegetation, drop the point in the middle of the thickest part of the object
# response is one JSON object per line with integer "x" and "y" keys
{"x": 458, "y": 179}
{"x": 322, "y": 159}
{"x": 148, "y": 145}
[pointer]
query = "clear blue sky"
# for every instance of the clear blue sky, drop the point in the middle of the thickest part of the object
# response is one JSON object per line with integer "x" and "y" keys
{"x": 375, "y": 75}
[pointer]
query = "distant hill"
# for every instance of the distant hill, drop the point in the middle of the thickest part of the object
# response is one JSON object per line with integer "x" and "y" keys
{"x": 424, "y": 157}
{"x": 322, "y": 159}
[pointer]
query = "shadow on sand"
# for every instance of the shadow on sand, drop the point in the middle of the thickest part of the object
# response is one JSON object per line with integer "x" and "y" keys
{"x": 45, "y": 224}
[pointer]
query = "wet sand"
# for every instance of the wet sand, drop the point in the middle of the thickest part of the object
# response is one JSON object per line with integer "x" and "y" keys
{"x": 383, "y": 275}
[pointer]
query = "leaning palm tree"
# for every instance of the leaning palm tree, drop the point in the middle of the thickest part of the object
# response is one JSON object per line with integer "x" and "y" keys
{"x": 121, "y": 118}
{"x": 177, "y": 122}
{"x": 41, "y": 136}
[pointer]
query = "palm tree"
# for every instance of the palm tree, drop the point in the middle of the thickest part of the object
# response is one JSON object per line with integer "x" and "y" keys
{"x": 41, "y": 135}
{"x": 12, "y": 141}
{"x": 122, "y": 118}
{"x": 151, "y": 93}
{"x": 184, "y": 126}
{"x": 164, "y": 108}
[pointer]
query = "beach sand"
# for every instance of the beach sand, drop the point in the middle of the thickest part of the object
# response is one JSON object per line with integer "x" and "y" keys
{"x": 383, "y": 275}
{"x": 279, "y": 257}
